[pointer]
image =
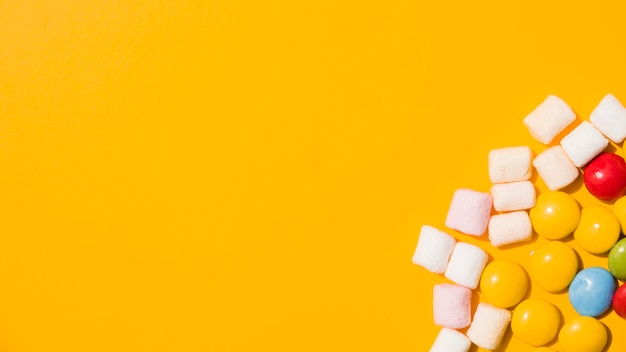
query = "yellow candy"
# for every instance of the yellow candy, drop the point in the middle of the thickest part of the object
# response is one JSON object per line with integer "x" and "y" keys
{"x": 619, "y": 209}
{"x": 536, "y": 321}
{"x": 583, "y": 334}
{"x": 598, "y": 229}
{"x": 553, "y": 266}
{"x": 504, "y": 283}
{"x": 555, "y": 215}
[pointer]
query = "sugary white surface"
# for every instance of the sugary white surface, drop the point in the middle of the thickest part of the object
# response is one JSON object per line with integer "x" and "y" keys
{"x": 466, "y": 264}
{"x": 583, "y": 143}
{"x": 508, "y": 228}
{"x": 452, "y": 306}
{"x": 513, "y": 196}
{"x": 449, "y": 340}
{"x": 489, "y": 325}
{"x": 555, "y": 168}
{"x": 510, "y": 164}
{"x": 433, "y": 249}
{"x": 609, "y": 117}
{"x": 549, "y": 119}
{"x": 469, "y": 211}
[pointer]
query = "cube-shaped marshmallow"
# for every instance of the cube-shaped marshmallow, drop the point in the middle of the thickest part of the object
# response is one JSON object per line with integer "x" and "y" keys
{"x": 510, "y": 164}
{"x": 466, "y": 264}
{"x": 584, "y": 143}
{"x": 555, "y": 168}
{"x": 609, "y": 117}
{"x": 508, "y": 228}
{"x": 433, "y": 249}
{"x": 549, "y": 119}
{"x": 513, "y": 196}
{"x": 469, "y": 211}
{"x": 450, "y": 340}
{"x": 452, "y": 306}
{"x": 488, "y": 326}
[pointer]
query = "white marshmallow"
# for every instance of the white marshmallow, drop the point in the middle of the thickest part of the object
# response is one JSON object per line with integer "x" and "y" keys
{"x": 510, "y": 228}
{"x": 555, "y": 168}
{"x": 469, "y": 211}
{"x": 584, "y": 143}
{"x": 466, "y": 264}
{"x": 452, "y": 306}
{"x": 549, "y": 119}
{"x": 489, "y": 325}
{"x": 609, "y": 117}
{"x": 433, "y": 249}
{"x": 510, "y": 164}
{"x": 513, "y": 196}
{"x": 449, "y": 340}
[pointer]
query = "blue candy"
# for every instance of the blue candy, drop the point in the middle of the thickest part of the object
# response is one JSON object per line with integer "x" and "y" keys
{"x": 591, "y": 291}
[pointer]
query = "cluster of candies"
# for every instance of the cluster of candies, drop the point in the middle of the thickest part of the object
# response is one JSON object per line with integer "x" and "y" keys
{"x": 554, "y": 215}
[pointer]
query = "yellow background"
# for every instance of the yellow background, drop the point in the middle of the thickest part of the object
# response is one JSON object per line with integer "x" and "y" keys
{"x": 252, "y": 175}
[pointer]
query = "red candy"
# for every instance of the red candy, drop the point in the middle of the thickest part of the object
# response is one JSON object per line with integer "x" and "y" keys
{"x": 619, "y": 301}
{"x": 605, "y": 176}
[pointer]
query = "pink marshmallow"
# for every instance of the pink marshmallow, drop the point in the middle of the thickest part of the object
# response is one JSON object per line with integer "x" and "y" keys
{"x": 452, "y": 306}
{"x": 469, "y": 212}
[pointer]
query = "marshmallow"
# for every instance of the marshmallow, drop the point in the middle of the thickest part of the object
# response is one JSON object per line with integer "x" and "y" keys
{"x": 466, "y": 264}
{"x": 555, "y": 168}
{"x": 449, "y": 340}
{"x": 510, "y": 164}
{"x": 584, "y": 143}
{"x": 513, "y": 196}
{"x": 549, "y": 119}
{"x": 609, "y": 117}
{"x": 488, "y": 326}
{"x": 433, "y": 249}
{"x": 510, "y": 228}
{"x": 469, "y": 211}
{"x": 452, "y": 306}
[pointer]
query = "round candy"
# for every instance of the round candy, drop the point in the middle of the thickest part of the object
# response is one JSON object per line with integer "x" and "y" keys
{"x": 598, "y": 229}
{"x": 555, "y": 215}
{"x": 605, "y": 176}
{"x": 617, "y": 260}
{"x": 553, "y": 266}
{"x": 619, "y": 301}
{"x": 619, "y": 209}
{"x": 583, "y": 334}
{"x": 536, "y": 321}
{"x": 591, "y": 291}
{"x": 504, "y": 283}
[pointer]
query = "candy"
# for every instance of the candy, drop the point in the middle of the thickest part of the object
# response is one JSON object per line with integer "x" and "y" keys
{"x": 591, "y": 291}
{"x": 449, "y": 340}
{"x": 504, "y": 283}
{"x": 555, "y": 216}
{"x": 488, "y": 326}
{"x": 469, "y": 211}
{"x": 605, "y": 176}
{"x": 619, "y": 301}
{"x": 466, "y": 264}
{"x": 536, "y": 321}
{"x": 617, "y": 260}
{"x": 555, "y": 168}
{"x": 598, "y": 229}
{"x": 508, "y": 228}
{"x": 609, "y": 117}
{"x": 553, "y": 266}
{"x": 583, "y": 143}
{"x": 513, "y": 196}
{"x": 452, "y": 306}
{"x": 583, "y": 334}
{"x": 548, "y": 119}
{"x": 433, "y": 250}
{"x": 510, "y": 164}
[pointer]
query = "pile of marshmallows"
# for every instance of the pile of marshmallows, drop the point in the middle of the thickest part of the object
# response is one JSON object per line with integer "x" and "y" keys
{"x": 512, "y": 195}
